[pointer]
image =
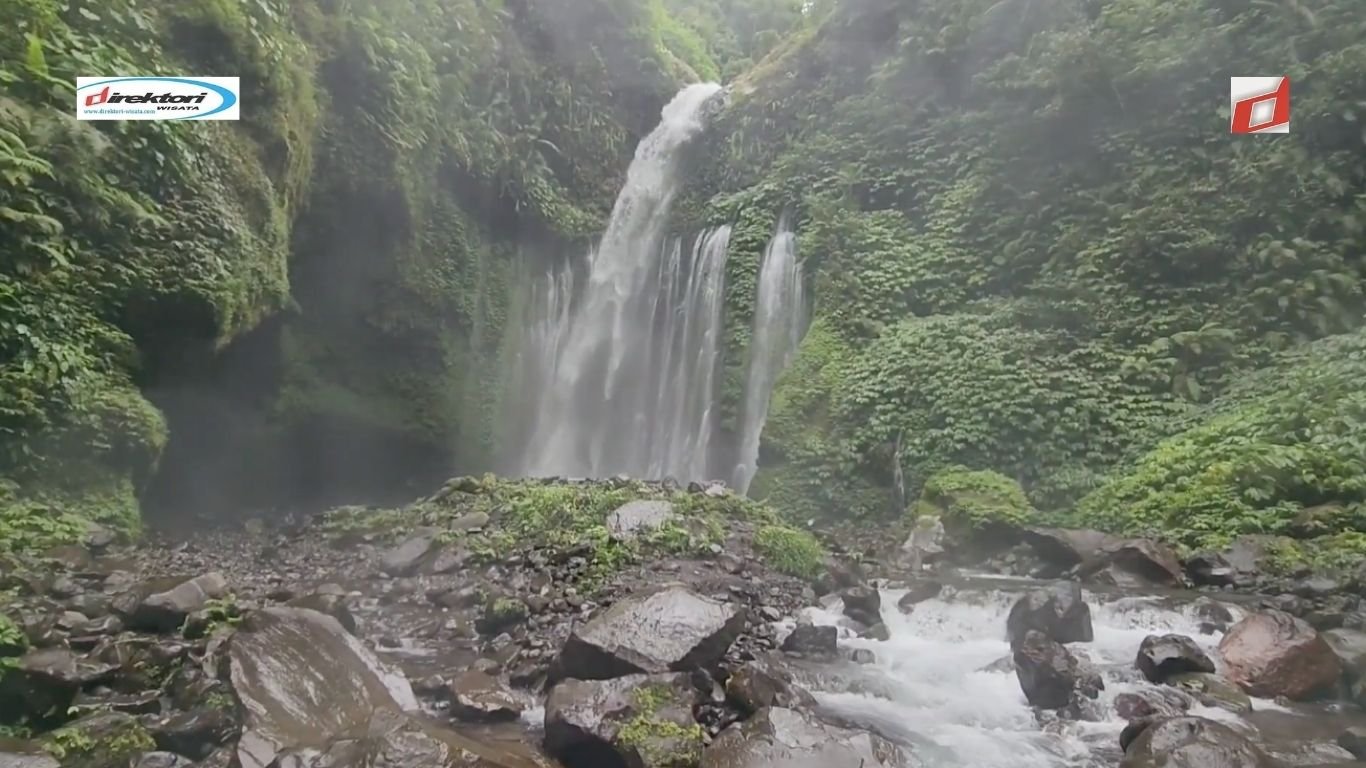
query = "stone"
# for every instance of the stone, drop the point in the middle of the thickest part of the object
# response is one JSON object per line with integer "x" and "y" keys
{"x": 778, "y": 737}
{"x": 1192, "y": 742}
{"x": 630, "y": 520}
{"x": 862, "y": 656}
{"x": 1050, "y": 675}
{"x": 1212, "y": 613}
{"x": 1136, "y": 563}
{"x": 167, "y": 611}
{"x": 918, "y": 593}
{"x": 812, "y": 640}
{"x": 759, "y": 684}
{"x": 1213, "y": 691}
{"x": 407, "y": 557}
{"x": 501, "y": 614}
{"x": 636, "y": 720}
{"x": 160, "y": 760}
{"x": 1160, "y": 702}
{"x": 1059, "y": 612}
{"x": 450, "y": 560}
{"x": 11, "y": 756}
{"x": 1062, "y": 549}
{"x": 1210, "y": 569}
{"x": 44, "y": 682}
{"x": 660, "y": 629}
{"x": 471, "y": 521}
{"x": 478, "y": 697}
{"x": 1161, "y": 656}
{"x": 332, "y": 604}
{"x": 862, "y": 604}
{"x": 1354, "y": 740}
{"x": 878, "y": 631}
{"x": 1350, "y": 647}
{"x": 1273, "y": 654}
{"x": 196, "y": 733}
{"x": 924, "y": 545}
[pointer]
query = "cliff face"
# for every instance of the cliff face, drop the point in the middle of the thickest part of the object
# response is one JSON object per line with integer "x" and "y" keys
{"x": 316, "y": 292}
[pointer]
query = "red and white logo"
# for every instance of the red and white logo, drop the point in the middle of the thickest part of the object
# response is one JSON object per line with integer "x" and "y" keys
{"x": 1259, "y": 104}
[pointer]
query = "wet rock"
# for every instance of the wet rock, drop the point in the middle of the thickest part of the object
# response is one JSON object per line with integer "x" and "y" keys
{"x": 1350, "y": 647}
{"x": 44, "y": 682}
{"x": 862, "y": 604}
{"x": 1136, "y": 563}
{"x": 1210, "y": 569}
{"x": 104, "y": 700}
{"x": 812, "y": 640}
{"x": 196, "y": 734}
{"x": 500, "y": 615}
{"x": 160, "y": 760}
{"x": 759, "y": 684}
{"x": 637, "y": 720}
{"x": 470, "y": 521}
{"x": 450, "y": 560}
{"x": 665, "y": 628}
{"x": 862, "y": 656}
{"x": 406, "y": 558}
{"x": 1274, "y": 654}
{"x": 1050, "y": 675}
{"x": 924, "y": 545}
{"x": 839, "y": 574}
{"x": 102, "y": 740}
{"x": 479, "y": 698}
{"x": 17, "y": 755}
{"x": 332, "y": 604}
{"x": 1161, "y": 656}
{"x": 1003, "y": 665}
{"x": 1192, "y": 742}
{"x": 1213, "y": 691}
{"x": 167, "y": 611}
{"x": 1212, "y": 614}
{"x": 878, "y": 631}
{"x": 93, "y": 604}
{"x": 1061, "y": 549}
{"x": 777, "y": 737}
{"x": 1152, "y": 702}
{"x": 1354, "y": 740}
{"x": 919, "y": 592}
{"x": 630, "y": 520}
{"x": 1059, "y": 612}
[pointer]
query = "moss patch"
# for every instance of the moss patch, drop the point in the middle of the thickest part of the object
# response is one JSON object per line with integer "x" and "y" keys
{"x": 974, "y": 500}
{"x": 791, "y": 551}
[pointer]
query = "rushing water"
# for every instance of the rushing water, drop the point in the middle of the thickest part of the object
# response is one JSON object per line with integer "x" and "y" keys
{"x": 619, "y": 353}
{"x": 779, "y": 321}
{"x": 928, "y": 690}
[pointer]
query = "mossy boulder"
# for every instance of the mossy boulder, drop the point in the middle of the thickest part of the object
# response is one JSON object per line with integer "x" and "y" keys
{"x": 640, "y": 720}
{"x": 790, "y": 551}
{"x": 981, "y": 506}
{"x": 104, "y": 740}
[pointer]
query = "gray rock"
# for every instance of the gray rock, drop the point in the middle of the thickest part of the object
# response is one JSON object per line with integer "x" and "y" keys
{"x": 1192, "y": 742}
{"x": 44, "y": 682}
{"x": 1212, "y": 691}
{"x": 634, "y": 518}
{"x": 1350, "y": 647}
{"x": 662, "y": 629}
{"x": 1059, "y": 612}
{"x": 1161, "y": 656}
{"x": 641, "y": 720}
{"x": 195, "y": 734}
{"x": 167, "y": 611}
{"x": 1354, "y": 740}
{"x": 778, "y": 737}
{"x": 406, "y": 558}
{"x": 862, "y": 604}
{"x": 1064, "y": 548}
{"x": 333, "y": 605}
{"x": 10, "y": 757}
{"x": 160, "y": 760}
{"x": 812, "y": 640}
{"x": 1136, "y": 563}
{"x": 480, "y": 698}
{"x": 763, "y": 683}
{"x": 470, "y": 521}
{"x": 1164, "y": 701}
{"x": 919, "y": 592}
{"x": 1050, "y": 676}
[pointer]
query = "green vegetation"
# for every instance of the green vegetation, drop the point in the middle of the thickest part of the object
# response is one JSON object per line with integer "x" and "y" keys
{"x": 660, "y": 741}
{"x": 788, "y": 550}
{"x": 1019, "y": 269}
{"x": 117, "y": 742}
{"x": 13, "y": 641}
{"x": 974, "y": 500}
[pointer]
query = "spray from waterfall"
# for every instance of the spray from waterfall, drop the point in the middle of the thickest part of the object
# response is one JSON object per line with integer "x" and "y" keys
{"x": 779, "y": 322}
{"x": 619, "y": 352}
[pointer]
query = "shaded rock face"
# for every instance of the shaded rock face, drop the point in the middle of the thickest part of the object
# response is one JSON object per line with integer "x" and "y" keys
{"x": 1192, "y": 742}
{"x": 478, "y": 697}
{"x": 1062, "y": 549}
{"x": 1354, "y": 740}
{"x": 1058, "y": 612}
{"x": 812, "y": 640}
{"x": 45, "y": 682}
{"x": 167, "y": 611}
{"x": 406, "y": 558}
{"x": 757, "y": 685}
{"x": 862, "y": 604}
{"x": 313, "y": 695}
{"x": 1136, "y": 563}
{"x": 637, "y": 720}
{"x": 1161, "y": 656}
{"x": 919, "y": 593}
{"x": 1153, "y": 702}
{"x": 632, "y": 519}
{"x": 1274, "y": 654}
{"x": 1350, "y": 646}
{"x": 787, "y": 738}
{"x": 667, "y": 628}
{"x": 26, "y": 759}
{"x": 1050, "y": 675}
{"x": 194, "y": 734}
{"x": 333, "y": 605}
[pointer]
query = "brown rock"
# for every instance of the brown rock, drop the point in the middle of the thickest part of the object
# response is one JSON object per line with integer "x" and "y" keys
{"x": 1275, "y": 654}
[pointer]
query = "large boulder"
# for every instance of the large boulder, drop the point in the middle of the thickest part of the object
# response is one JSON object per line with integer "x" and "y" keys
{"x": 1192, "y": 742}
{"x": 761, "y": 683}
{"x": 1161, "y": 656}
{"x": 478, "y": 697}
{"x": 1050, "y": 676}
{"x": 410, "y": 554}
{"x": 662, "y": 629}
{"x": 167, "y": 611}
{"x": 1212, "y": 691}
{"x": 1136, "y": 563}
{"x": 812, "y": 640}
{"x": 1059, "y": 612}
{"x": 637, "y": 720}
{"x": 43, "y": 683}
{"x": 1062, "y": 549}
{"x": 1274, "y": 654}
{"x": 1350, "y": 646}
{"x": 634, "y": 518}
{"x": 918, "y": 593}
{"x": 863, "y": 604}
{"x": 1159, "y": 701}
{"x": 787, "y": 738}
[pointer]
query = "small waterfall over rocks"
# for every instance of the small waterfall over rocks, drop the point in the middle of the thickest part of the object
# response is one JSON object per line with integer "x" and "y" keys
{"x": 779, "y": 322}
{"x": 617, "y": 367}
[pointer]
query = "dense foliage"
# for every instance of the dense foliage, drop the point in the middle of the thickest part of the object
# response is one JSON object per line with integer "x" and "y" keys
{"x": 1036, "y": 249}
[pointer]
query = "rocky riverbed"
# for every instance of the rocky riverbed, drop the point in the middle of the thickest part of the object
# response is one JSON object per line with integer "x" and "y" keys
{"x": 594, "y": 625}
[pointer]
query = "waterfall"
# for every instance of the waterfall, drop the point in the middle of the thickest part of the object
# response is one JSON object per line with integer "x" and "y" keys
{"x": 619, "y": 352}
{"x": 779, "y": 322}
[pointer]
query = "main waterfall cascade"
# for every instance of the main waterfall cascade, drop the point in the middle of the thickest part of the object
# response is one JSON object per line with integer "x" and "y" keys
{"x": 779, "y": 322}
{"x": 619, "y": 353}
